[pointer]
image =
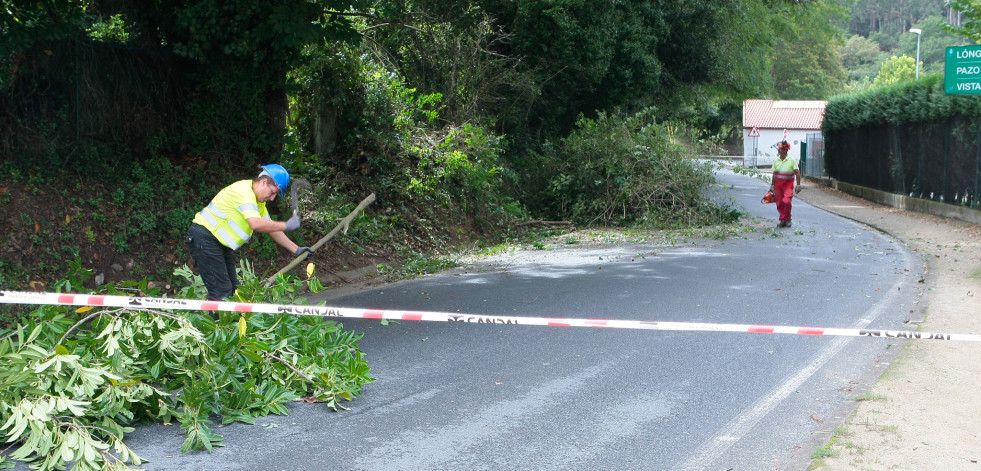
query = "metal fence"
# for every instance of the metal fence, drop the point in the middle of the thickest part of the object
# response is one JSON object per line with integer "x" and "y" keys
{"x": 939, "y": 161}
{"x": 813, "y": 155}
{"x": 753, "y": 161}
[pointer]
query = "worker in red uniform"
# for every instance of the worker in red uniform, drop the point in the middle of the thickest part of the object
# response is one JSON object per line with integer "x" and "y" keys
{"x": 785, "y": 173}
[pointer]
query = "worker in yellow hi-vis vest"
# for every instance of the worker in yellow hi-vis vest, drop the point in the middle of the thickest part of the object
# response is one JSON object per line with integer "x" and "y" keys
{"x": 785, "y": 171}
{"x": 228, "y": 222}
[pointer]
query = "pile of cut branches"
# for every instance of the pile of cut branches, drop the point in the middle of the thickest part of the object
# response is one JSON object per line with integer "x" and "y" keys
{"x": 73, "y": 381}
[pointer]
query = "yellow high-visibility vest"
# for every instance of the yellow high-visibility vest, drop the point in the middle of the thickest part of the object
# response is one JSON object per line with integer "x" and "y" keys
{"x": 226, "y": 215}
{"x": 784, "y": 168}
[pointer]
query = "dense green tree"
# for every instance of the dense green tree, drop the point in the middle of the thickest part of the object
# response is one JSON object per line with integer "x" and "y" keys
{"x": 536, "y": 66}
{"x": 531, "y": 69}
{"x": 23, "y": 23}
{"x": 861, "y": 58}
{"x": 451, "y": 48}
{"x": 806, "y": 63}
{"x": 590, "y": 56}
{"x": 887, "y": 25}
{"x": 244, "y": 51}
{"x": 896, "y": 69}
{"x": 532, "y": 66}
{"x": 970, "y": 19}
{"x": 234, "y": 56}
{"x": 934, "y": 41}
{"x": 889, "y": 17}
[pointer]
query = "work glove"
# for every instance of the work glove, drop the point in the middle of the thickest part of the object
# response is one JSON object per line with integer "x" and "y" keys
{"x": 293, "y": 223}
{"x": 302, "y": 250}
{"x": 797, "y": 189}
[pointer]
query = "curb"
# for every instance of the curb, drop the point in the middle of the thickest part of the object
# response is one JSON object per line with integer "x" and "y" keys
{"x": 346, "y": 282}
{"x": 902, "y": 202}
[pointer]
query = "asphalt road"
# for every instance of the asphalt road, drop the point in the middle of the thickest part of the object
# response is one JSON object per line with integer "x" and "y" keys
{"x": 457, "y": 396}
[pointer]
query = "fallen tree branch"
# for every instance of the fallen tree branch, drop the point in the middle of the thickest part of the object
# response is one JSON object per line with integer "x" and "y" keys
{"x": 344, "y": 224}
{"x": 546, "y": 223}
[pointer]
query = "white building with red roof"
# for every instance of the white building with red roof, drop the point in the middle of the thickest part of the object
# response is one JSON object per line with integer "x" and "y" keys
{"x": 767, "y": 122}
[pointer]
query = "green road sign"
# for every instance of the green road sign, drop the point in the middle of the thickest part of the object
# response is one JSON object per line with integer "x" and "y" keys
{"x": 962, "y": 70}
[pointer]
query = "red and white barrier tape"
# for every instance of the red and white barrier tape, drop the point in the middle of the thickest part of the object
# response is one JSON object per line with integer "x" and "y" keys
{"x": 19, "y": 297}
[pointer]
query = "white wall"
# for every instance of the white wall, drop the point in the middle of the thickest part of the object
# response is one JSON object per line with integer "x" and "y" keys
{"x": 769, "y": 137}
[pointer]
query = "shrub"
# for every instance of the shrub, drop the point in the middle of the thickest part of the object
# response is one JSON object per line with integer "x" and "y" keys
{"x": 621, "y": 169}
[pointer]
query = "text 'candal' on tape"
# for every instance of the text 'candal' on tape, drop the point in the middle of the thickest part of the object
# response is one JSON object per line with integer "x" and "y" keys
{"x": 70, "y": 299}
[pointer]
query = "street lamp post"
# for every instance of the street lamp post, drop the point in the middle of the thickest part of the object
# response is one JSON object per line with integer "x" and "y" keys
{"x": 919, "y": 33}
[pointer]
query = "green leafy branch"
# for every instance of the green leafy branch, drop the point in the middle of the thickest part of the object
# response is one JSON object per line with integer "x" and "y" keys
{"x": 74, "y": 381}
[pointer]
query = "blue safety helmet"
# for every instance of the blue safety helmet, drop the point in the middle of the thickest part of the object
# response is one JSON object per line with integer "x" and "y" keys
{"x": 278, "y": 174}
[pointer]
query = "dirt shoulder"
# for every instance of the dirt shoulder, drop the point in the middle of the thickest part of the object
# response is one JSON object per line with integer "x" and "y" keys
{"x": 921, "y": 413}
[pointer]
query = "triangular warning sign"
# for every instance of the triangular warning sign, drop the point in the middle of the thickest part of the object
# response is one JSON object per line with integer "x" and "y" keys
{"x": 754, "y": 132}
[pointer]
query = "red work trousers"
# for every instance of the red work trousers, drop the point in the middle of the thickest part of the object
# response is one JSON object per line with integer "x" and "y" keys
{"x": 783, "y": 189}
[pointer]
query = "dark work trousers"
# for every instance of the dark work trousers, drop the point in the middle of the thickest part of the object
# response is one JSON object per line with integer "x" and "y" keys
{"x": 215, "y": 262}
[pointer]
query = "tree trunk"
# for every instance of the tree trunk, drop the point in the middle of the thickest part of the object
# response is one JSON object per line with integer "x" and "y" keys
{"x": 325, "y": 139}
{"x": 277, "y": 105}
